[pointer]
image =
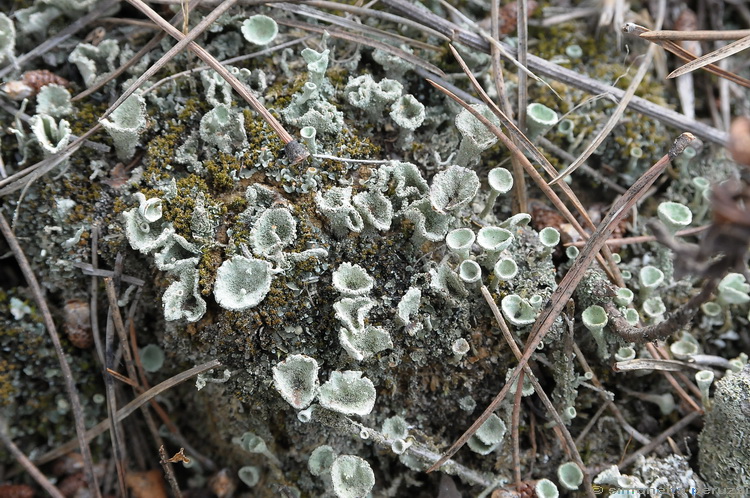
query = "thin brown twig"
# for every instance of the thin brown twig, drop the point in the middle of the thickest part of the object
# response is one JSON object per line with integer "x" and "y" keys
{"x": 177, "y": 48}
{"x": 581, "y": 358}
{"x": 120, "y": 329}
{"x": 641, "y": 239}
{"x": 549, "y": 69}
{"x": 686, "y": 55}
{"x": 697, "y": 35}
{"x": 656, "y": 353}
{"x": 515, "y": 422}
{"x": 148, "y": 47}
{"x": 22, "y": 459}
{"x": 164, "y": 460}
{"x": 49, "y": 324}
{"x": 116, "y": 435}
{"x": 63, "y": 35}
{"x": 295, "y": 151}
{"x": 523, "y": 56}
{"x": 684, "y": 422}
{"x": 560, "y": 425}
{"x": 128, "y": 409}
{"x": 717, "y": 55}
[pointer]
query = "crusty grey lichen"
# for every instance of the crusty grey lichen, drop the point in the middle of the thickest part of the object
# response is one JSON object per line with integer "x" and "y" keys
{"x": 725, "y": 441}
{"x": 241, "y": 251}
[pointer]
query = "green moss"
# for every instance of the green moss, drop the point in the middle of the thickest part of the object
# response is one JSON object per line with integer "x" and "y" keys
{"x": 220, "y": 172}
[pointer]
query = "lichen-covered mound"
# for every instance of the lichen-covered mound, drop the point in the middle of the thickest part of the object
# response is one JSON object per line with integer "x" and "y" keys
{"x": 358, "y": 300}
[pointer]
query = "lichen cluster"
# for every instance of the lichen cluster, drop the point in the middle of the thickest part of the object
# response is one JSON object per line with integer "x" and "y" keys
{"x": 342, "y": 294}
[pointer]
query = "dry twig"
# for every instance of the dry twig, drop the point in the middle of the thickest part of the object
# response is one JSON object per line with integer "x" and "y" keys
{"x": 67, "y": 374}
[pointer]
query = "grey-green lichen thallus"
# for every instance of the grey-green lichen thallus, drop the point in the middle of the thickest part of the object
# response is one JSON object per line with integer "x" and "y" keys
{"x": 368, "y": 290}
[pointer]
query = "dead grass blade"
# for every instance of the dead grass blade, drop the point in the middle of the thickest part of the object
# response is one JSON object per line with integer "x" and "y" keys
{"x": 520, "y": 197}
{"x": 613, "y": 119}
{"x": 59, "y": 37}
{"x": 684, "y": 422}
{"x": 386, "y": 16}
{"x": 49, "y": 323}
{"x": 127, "y": 410}
{"x": 523, "y": 56}
{"x": 551, "y": 70}
{"x": 568, "y": 284}
{"x": 302, "y": 9}
{"x": 25, "y": 177}
{"x": 637, "y": 30}
{"x": 354, "y": 38}
{"x": 148, "y": 47}
{"x": 567, "y": 438}
{"x": 22, "y": 459}
{"x": 716, "y": 55}
{"x": 177, "y": 48}
{"x": 695, "y": 35}
{"x": 294, "y": 150}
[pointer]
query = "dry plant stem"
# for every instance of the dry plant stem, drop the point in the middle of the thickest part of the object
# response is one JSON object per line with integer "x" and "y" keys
{"x": 716, "y": 55}
{"x": 659, "y": 353}
{"x": 87, "y": 269}
{"x": 641, "y": 239}
{"x": 697, "y": 35}
{"x": 148, "y": 47}
{"x": 591, "y": 423}
{"x": 343, "y": 22}
{"x": 613, "y": 119}
{"x": 22, "y": 459}
{"x": 686, "y": 55}
{"x": 363, "y": 40}
{"x": 557, "y": 302}
{"x": 660, "y": 365}
{"x": 567, "y": 76}
{"x": 611, "y": 269}
{"x": 585, "y": 168}
{"x": 607, "y": 402}
{"x": 252, "y": 55}
{"x": 566, "y": 438}
{"x": 115, "y": 429}
{"x": 70, "y": 386}
{"x": 216, "y": 66}
{"x": 523, "y": 53}
{"x": 59, "y": 37}
{"x": 673, "y": 322}
{"x": 169, "y": 472}
{"x": 515, "y": 422}
{"x": 120, "y": 328}
{"x": 25, "y": 177}
{"x": 94, "y": 300}
{"x": 177, "y": 48}
{"x": 127, "y": 410}
{"x": 684, "y": 422}
{"x": 520, "y": 197}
